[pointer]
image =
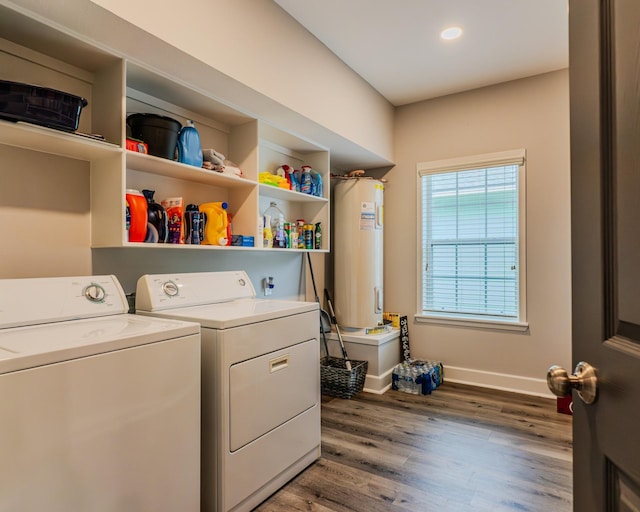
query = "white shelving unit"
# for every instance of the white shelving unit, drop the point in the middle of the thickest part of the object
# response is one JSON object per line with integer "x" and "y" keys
{"x": 40, "y": 54}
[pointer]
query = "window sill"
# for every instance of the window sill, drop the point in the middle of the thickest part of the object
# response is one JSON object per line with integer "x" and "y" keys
{"x": 477, "y": 323}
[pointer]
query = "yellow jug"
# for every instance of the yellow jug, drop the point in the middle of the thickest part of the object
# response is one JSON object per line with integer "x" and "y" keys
{"x": 216, "y": 222}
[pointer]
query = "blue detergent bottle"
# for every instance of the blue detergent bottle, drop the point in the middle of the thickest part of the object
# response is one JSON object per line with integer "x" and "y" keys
{"x": 189, "y": 148}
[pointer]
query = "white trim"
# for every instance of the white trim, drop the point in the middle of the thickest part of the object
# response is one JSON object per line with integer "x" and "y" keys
{"x": 511, "y": 157}
{"x": 378, "y": 384}
{"x": 478, "y": 322}
{"x": 501, "y": 381}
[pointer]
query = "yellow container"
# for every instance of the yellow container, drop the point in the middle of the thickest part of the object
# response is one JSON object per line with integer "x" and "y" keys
{"x": 216, "y": 224}
{"x": 394, "y": 317}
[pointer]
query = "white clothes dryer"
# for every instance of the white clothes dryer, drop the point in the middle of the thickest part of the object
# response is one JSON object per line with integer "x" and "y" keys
{"x": 260, "y": 382}
{"x": 99, "y": 409}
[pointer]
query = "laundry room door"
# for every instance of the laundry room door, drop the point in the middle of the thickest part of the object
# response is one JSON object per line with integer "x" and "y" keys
{"x": 604, "y": 67}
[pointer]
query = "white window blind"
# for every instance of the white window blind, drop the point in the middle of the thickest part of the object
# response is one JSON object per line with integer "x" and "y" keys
{"x": 470, "y": 238}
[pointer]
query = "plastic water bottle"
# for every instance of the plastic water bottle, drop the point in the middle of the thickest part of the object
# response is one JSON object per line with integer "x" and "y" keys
{"x": 414, "y": 380}
{"x": 277, "y": 226}
{"x": 402, "y": 384}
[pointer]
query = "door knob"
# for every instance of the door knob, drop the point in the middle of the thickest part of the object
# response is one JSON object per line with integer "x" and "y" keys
{"x": 584, "y": 380}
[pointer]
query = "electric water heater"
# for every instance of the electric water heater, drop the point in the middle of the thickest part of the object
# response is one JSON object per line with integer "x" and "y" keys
{"x": 358, "y": 252}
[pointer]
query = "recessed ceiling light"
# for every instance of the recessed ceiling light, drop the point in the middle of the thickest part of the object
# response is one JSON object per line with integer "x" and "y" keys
{"x": 451, "y": 33}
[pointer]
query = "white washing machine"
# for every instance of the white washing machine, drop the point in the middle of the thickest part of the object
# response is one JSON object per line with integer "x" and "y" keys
{"x": 260, "y": 382}
{"x": 99, "y": 409}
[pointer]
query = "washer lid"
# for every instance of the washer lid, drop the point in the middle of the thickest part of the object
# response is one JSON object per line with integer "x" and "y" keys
{"x": 239, "y": 312}
{"x": 37, "y": 345}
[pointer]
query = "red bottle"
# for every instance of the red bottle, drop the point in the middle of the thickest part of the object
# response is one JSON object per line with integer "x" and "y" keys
{"x": 138, "y": 211}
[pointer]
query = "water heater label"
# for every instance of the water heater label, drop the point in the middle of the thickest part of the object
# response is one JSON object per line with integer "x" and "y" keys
{"x": 367, "y": 216}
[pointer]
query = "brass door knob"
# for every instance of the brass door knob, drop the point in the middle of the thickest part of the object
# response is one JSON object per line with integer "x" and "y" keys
{"x": 584, "y": 380}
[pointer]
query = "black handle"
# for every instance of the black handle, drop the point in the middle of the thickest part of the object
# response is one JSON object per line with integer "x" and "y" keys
{"x": 313, "y": 279}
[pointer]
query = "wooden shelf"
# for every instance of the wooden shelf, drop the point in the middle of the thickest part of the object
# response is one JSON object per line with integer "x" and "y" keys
{"x": 163, "y": 167}
{"x": 55, "y": 142}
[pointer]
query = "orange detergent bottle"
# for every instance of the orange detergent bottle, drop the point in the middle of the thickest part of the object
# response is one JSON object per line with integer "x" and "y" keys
{"x": 137, "y": 204}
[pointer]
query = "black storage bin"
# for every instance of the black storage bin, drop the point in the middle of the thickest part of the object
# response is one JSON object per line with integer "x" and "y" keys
{"x": 40, "y": 105}
{"x": 159, "y": 132}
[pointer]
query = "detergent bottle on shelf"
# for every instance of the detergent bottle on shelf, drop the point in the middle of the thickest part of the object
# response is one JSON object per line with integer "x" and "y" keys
{"x": 189, "y": 148}
{"x": 174, "y": 206}
{"x": 217, "y": 222}
{"x": 137, "y": 204}
{"x": 157, "y": 217}
{"x": 194, "y": 224}
{"x": 305, "y": 179}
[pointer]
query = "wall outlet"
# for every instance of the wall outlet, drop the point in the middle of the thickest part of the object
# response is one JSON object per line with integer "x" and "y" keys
{"x": 267, "y": 284}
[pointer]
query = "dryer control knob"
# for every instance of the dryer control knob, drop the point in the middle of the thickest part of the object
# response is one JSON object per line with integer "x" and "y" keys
{"x": 170, "y": 288}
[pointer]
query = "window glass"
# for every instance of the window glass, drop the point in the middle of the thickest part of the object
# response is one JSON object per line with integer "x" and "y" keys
{"x": 470, "y": 236}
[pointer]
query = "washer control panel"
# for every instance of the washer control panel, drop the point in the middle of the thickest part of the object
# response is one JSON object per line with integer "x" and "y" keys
{"x": 53, "y": 299}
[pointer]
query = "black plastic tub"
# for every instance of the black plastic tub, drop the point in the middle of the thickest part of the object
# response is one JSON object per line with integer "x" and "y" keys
{"x": 159, "y": 132}
{"x": 40, "y": 105}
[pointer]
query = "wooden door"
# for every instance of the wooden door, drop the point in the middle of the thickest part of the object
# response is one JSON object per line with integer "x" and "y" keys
{"x": 604, "y": 52}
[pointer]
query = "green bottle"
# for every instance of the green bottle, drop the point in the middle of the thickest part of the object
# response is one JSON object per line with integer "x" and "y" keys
{"x": 318, "y": 236}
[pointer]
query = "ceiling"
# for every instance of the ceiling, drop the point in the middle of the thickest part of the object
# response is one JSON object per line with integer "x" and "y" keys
{"x": 395, "y": 45}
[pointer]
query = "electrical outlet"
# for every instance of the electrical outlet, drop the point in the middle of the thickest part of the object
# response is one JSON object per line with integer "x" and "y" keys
{"x": 267, "y": 284}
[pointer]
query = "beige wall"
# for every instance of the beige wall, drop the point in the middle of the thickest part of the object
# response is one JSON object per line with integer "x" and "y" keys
{"x": 262, "y": 61}
{"x": 258, "y": 44}
{"x": 44, "y": 206}
{"x": 533, "y": 114}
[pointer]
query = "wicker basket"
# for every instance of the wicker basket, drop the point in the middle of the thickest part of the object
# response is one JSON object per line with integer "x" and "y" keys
{"x": 337, "y": 381}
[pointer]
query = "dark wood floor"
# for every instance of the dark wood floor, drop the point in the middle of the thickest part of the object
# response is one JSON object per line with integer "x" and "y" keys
{"x": 460, "y": 449}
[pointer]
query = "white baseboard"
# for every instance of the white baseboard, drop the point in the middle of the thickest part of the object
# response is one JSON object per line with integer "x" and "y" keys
{"x": 501, "y": 381}
{"x": 378, "y": 384}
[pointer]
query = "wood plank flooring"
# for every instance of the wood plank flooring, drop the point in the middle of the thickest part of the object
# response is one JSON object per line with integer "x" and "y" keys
{"x": 459, "y": 449}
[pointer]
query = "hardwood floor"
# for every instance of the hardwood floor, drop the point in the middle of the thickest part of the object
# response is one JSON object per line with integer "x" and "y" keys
{"x": 459, "y": 449}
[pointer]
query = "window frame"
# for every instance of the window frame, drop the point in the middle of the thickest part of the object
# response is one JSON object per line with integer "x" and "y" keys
{"x": 511, "y": 157}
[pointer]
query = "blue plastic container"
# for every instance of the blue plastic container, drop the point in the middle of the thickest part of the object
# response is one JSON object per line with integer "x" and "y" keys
{"x": 189, "y": 148}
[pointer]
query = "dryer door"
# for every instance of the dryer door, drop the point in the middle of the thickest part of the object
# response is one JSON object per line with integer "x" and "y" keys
{"x": 269, "y": 390}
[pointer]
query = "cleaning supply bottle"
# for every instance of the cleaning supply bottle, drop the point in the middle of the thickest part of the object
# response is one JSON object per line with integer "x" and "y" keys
{"x": 316, "y": 180}
{"x": 157, "y": 217}
{"x": 318, "y": 236}
{"x": 215, "y": 229}
{"x": 189, "y": 148}
{"x": 138, "y": 213}
{"x": 305, "y": 179}
{"x": 266, "y": 232}
{"x": 277, "y": 226}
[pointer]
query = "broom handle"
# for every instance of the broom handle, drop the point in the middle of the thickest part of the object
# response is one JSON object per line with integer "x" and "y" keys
{"x": 335, "y": 322}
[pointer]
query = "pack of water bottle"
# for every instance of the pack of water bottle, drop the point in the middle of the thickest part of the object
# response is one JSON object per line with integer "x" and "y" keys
{"x": 417, "y": 377}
